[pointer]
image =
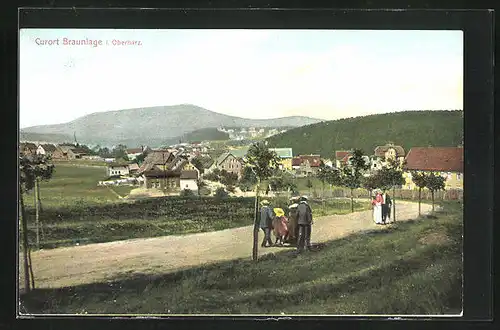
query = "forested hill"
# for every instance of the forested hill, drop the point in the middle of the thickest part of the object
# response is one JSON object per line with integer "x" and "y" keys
{"x": 407, "y": 129}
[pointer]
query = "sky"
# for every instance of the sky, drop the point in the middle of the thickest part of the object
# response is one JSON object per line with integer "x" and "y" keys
{"x": 325, "y": 74}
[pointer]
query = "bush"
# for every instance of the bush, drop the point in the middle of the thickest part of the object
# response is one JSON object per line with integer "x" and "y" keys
{"x": 205, "y": 191}
{"x": 187, "y": 193}
{"x": 231, "y": 189}
{"x": 221, "y": 193}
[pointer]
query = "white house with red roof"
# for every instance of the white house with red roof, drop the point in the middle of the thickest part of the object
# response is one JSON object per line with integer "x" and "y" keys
{"x": 445, "y": 161}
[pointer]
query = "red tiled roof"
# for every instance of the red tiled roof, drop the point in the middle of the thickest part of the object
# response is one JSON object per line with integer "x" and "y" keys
{"x": 340, "y": 155}
{"x": 296, "y": 161}
{"x": 314, "y": 160}
{"x": 446, "y": 159}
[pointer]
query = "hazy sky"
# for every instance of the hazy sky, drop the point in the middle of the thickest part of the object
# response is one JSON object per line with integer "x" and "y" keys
{"x": 326, "y": 74}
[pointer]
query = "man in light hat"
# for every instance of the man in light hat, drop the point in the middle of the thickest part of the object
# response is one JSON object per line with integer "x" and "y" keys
{"x": 304, "y": 219}
{"x": 293, "y": 227}
{"x": 266, "y": 218}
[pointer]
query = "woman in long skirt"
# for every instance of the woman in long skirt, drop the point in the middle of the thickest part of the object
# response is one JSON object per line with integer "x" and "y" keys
{"x": 377, "y": 208}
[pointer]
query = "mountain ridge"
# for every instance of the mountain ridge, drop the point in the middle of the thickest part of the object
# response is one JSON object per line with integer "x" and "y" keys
{"x": 152, "y": 125}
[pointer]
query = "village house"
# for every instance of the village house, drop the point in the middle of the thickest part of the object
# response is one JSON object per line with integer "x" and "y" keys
{"x": 27, "y": 149}
{"x": 46, "y": 149}
{"x": 133, "y": 168}
{"x": 285, "y": 155}
{"x": 342, "y": 157}
{"x": 118, "y": 169}
{"x": 445, "y": 161}
{"x": 161, "y": 179}
{"x": 306, "y": 164}
{"x": 230, "y": 163}
{"x": 387, "y": 152}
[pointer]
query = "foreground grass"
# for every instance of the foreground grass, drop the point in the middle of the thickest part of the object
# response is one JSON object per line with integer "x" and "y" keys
{"x": 412, "y": 267}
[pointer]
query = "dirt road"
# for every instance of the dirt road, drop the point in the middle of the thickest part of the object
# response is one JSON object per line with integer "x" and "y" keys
{"x": 98, "y": 262}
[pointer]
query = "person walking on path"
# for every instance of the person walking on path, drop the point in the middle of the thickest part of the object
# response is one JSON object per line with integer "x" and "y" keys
{"x": 377, "y": 208}
{"x": 386, "y": 207}
{"x": 266, "y": 219}
{"x": 293, "y": 226}
{"x": 304, "y": 219}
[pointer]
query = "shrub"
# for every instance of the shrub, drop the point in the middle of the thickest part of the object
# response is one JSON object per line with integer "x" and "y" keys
{"x": 187, "y": 193}
{"x": 221, "y": 193}
{"x": 231, "y": 188}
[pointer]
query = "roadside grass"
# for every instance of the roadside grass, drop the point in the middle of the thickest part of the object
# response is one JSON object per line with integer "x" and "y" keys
{"x": 170, "y": 216}
{"x": 412, "y": 267}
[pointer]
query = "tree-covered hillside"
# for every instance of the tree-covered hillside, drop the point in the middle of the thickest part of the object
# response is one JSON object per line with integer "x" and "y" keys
{"x": 408, "y": 129}
{"x": 205, "y": 134}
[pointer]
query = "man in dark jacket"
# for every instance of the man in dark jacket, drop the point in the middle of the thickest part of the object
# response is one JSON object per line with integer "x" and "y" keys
{"x": 304, "y": 219}
{"x": 266, "y": 219}
{"x": 386, "y": 207}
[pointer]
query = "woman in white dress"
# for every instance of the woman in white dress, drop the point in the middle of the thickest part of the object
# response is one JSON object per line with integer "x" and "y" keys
{"x": 377, "y": 208}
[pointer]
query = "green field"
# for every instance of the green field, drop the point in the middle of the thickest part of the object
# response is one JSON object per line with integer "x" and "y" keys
{"x": 72, "y": 185}
{"x": 412, "y": 267}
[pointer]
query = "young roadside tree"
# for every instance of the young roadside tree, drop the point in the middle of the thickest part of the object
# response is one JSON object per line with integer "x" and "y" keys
{"x": 352, "y": 173}
{"x": 434, "y": 183}
{"x": 198, "y": 164}
{"x": 390, "y": 177}
{"x": 309, "y": 184}
{"x": 31, "y": 170}
{"x": 420, "y": 180}
{"x": 263, "y": 163}
{"x": 43, "y": 170}
{"x": 322, "y": 175}
{"x": 370, "y": 183}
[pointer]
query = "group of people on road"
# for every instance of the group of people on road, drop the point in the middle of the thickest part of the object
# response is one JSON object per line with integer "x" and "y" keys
{"x": 382, "y": 203}
{"x": 294, "y": 229}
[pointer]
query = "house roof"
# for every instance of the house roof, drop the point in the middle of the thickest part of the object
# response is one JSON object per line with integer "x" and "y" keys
{"x": 283, "y": 152}
{"x": 156, "y": 173}
{"x": 221, "y": 158}
{"x": 78, "y": 150}
{"x": 341, "y": 154}
{"x": 189, "y": 175}
{"x": 296, "y": 161}
{"x": 28, "y": 145}
{"x": 64, "y": 148}
{"x": 314, "y": 160}
{"x": 133, "y": 166}
{"x": 446, "y": 159}
{"x": 381, "y": 150}
{"x": 158, "y": 157}
{"x": 134, "y": 151}
{"x": 48, "y": 147}
{"x": 177, "y": 163}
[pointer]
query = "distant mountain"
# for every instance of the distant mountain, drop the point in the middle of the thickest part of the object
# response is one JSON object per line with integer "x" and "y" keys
{"x": 407, "y": 129}
{"x": 45, "y": 137}
{"x": 155, "y": 125}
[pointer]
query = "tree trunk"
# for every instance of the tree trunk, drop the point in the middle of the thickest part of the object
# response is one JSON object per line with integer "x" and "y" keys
{"x": 352, "y": 201}
{"x": 256, "y": 224}
{"x": 24, "y": 225}
{"x": 432, "y": 195}
{"x": 393, "y": 204}
{"x": 419, "y": 199}
{"x": 37, "y": 213}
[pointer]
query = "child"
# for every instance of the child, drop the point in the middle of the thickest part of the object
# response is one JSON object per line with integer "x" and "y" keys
{"x": 280, "y": 226}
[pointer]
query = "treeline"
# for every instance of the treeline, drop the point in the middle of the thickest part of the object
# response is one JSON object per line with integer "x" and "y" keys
{"x": 407, "y": 129}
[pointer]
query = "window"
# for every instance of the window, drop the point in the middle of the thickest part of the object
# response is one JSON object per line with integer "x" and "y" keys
{"x": 459, "y": 176}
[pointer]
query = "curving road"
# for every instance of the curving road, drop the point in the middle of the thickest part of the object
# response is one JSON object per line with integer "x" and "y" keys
{"x": 100, "y": 262}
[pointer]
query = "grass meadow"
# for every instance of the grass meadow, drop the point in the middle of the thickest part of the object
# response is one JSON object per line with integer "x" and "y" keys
{"x": 412, "y": 267}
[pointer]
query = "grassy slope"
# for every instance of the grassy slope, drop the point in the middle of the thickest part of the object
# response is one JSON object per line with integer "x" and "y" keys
{"x": 441, "y": 128}
{"x": 72, "y": 185}
{"x": 410, "y": 268}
